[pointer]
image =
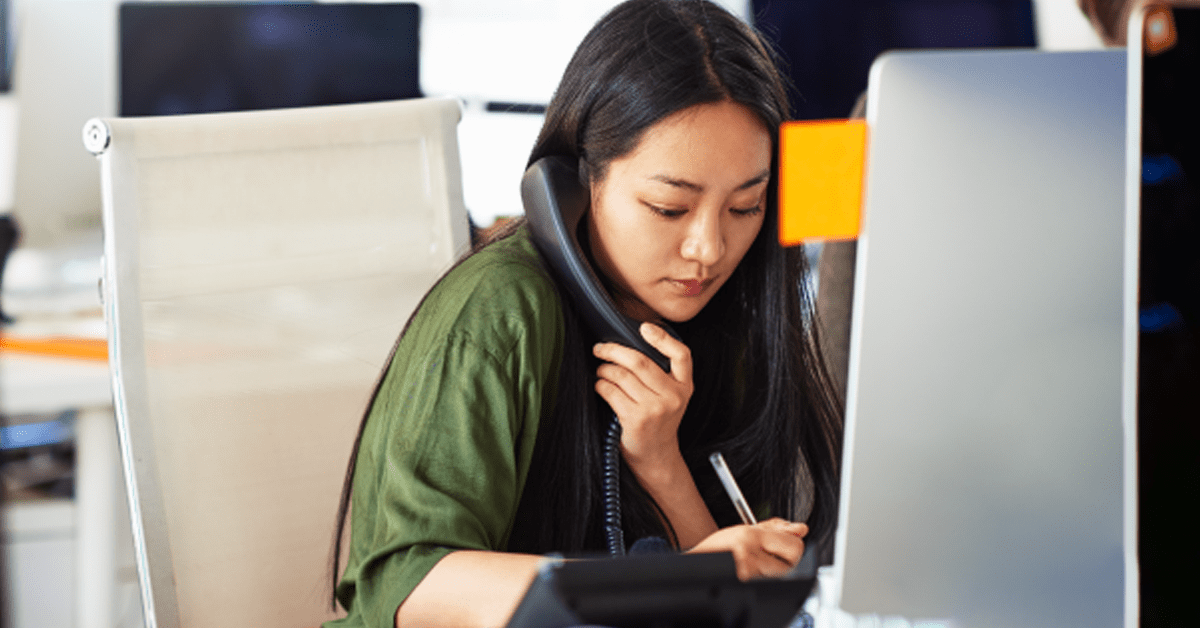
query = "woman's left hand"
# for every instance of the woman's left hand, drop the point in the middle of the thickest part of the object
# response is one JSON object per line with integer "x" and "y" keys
{"x": 648, "y": 402}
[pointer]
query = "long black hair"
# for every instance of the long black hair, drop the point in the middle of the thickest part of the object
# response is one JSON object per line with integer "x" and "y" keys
{"x": 761, "y": 393}
{"x": 762, "y": 396}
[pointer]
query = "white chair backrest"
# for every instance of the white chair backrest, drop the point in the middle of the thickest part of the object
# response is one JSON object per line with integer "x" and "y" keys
{"x": 258, "y": 267}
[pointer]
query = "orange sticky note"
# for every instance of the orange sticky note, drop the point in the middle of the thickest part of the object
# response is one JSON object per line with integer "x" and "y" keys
{"x": 61, "y": 347}
{"x": 821, "y": 180}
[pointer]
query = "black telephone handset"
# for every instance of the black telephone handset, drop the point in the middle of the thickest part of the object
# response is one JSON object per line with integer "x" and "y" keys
{"x": 555, "y": 203}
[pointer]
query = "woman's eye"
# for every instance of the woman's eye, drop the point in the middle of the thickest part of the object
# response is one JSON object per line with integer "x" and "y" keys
{"x": 666, "y": 213}
{"x": 747, "y": 211}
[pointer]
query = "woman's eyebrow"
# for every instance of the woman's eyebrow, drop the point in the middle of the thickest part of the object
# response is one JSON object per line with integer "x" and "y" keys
{"x": 696, "y": 187}
{"x": 677, "y": 182}
{"x": 758, "y": 180}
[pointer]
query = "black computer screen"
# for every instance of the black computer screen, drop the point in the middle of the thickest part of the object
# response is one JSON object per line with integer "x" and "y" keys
{"x": 5, "y": 53}
{"x": 191, "y": 57}
{"x": 828, "y": 45}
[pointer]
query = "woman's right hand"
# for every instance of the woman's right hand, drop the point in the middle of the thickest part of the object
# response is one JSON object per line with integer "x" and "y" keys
{"x": 769, "y": 549}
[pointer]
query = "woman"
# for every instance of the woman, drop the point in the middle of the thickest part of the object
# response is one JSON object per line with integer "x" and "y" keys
{"x": 482, "y": 446}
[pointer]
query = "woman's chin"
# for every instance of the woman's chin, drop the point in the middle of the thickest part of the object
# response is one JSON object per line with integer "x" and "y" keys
{"x": 680, "y": 312}
{"x": 669, "y": 309}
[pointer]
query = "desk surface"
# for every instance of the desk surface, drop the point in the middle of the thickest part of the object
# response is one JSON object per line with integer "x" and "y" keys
{"x": 32, "y": 383}
{"x": 53, "y": 295}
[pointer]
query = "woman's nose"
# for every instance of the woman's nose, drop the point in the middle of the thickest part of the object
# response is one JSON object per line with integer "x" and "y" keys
{"x": 704, "y": 242}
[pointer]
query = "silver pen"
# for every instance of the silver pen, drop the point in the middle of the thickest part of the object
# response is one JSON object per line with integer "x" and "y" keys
{"x": 731, "y": 487}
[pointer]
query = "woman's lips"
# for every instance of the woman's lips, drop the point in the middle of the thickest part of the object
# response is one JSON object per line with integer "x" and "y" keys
{"x": 693, "y": 287}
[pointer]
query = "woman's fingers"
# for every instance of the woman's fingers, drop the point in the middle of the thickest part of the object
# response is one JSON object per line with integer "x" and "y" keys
{"x": 668, "y": 345}
{"x": 647, "y": 369}
{"x": 768, "y": 549}
{"x": 632, "y": 359}
{"x": 649, "y": 402}
{"x": 774, "y": 552}
{"x": 760, "y": 564}
{"x": 796, "y": 528}
{"x": 786, "y": 546}
{"x": 625, "y": 379}
{"x": 616, "y": 398}
{"x": 653, "y": 393}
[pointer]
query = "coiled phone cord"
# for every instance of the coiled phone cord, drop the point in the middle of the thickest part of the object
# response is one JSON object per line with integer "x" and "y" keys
{"x": 612, "y": 489}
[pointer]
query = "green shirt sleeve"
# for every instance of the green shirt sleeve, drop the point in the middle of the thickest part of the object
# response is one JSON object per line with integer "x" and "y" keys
{"x": 448, "y": 442}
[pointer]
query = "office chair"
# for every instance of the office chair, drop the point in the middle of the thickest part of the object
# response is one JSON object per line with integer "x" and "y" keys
{"x": 258, "y": 268}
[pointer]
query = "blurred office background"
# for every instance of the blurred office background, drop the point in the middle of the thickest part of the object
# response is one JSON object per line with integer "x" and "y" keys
{"x": 67, "y": 547}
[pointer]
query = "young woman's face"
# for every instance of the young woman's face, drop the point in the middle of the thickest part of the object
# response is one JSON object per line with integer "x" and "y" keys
{"x": 672, "y": 219}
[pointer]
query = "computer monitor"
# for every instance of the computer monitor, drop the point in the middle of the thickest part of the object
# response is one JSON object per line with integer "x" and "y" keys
{"x": 1162, "y": 298}
{"x": 983, "y": 461}
{"x": 198, "y": 57}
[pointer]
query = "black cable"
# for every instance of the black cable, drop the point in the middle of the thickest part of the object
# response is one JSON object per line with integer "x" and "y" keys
{"x": 612, "y": 489}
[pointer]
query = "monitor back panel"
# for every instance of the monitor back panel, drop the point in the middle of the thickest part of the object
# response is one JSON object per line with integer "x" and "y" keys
{"x": 983, "y": 463}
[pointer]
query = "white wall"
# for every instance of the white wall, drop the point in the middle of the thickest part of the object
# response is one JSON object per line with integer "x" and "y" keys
{"x": 1062, "y": 26}
{"x": 504, "y": 51}
{"x": 513, "y": 50}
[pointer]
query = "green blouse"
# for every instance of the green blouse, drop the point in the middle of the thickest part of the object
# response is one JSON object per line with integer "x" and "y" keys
{"x": 448, "y": 443}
